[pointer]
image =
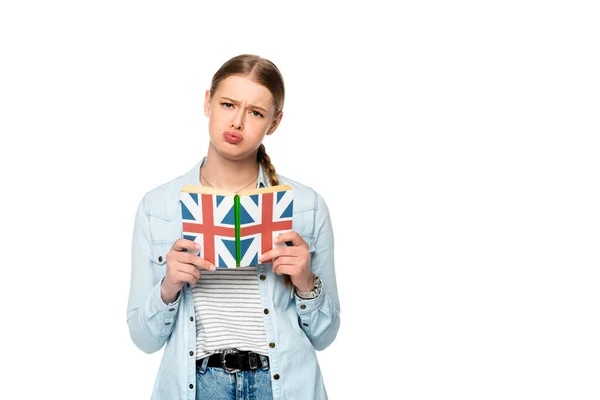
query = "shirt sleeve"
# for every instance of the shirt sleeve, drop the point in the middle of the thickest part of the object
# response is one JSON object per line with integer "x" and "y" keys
{"x": 320, "y": 317}
{"x": 150, "y": 320}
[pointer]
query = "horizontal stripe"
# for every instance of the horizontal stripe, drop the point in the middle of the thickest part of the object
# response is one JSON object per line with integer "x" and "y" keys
{"x": 219, "y": 331}
{"x": 229, "y": 293}
{"x": 233, "y": 343}
{"x": 243, "y": 328}
{"x": 209, "y": 318}
{"x": 236, "y": 324}
{"x": 226, "y": 289}
{"x": 234, "y": 299}
{"x": 217, "y": 344}
{"x": 216, "y": 306}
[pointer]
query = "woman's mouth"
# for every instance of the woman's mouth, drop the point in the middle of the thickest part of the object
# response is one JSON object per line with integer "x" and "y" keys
{"x": 232, "y": 137}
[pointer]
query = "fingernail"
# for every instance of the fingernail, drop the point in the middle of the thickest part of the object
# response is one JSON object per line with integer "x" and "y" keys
{"x": 197, "y": 246}
{"x": 213, "y": 268}
{"x": 260, "y": 258}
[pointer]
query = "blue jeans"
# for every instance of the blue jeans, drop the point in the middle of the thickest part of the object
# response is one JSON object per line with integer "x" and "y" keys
{"x": 216, "y": 384}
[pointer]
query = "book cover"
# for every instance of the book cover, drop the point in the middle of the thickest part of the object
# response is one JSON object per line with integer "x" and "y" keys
{"x": 233, "y": 230}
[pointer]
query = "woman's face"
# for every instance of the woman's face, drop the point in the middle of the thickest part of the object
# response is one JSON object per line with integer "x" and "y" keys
{"x": 240, "y": 114}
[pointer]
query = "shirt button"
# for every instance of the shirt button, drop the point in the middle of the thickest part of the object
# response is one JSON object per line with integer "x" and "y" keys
{"x": 191, "y": 353}
{"x": 272, "y": 345}
{"x": 159, "y": 258}
{"x": 263, "y": 277}
{"x": 303, "y": 306}
{"x": 171, "y": 309}
{"x": 192, "y": 319}
{"x": 191, "y": 386}
{"x": 305, "y": 324}
{"x": 187, "y": 284}
{"x": 276, "y": 376}
{"x": 167, "y": 323}
{"x": 266, "y": 311}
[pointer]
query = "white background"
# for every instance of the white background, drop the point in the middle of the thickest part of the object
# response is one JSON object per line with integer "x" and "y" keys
{"x": 456, "y": 144}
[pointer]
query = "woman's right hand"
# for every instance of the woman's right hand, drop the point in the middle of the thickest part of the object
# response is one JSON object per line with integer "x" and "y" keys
{"x": 182, "y": 267}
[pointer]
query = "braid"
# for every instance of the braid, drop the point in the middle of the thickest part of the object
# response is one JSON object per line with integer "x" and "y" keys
{"x": 264, "y": 160}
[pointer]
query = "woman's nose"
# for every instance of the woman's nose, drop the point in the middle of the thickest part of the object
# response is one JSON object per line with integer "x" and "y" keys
{"x": 238, "y": 121}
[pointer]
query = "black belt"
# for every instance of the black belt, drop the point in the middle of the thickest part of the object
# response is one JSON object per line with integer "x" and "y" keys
{"x": 234, "y": 361}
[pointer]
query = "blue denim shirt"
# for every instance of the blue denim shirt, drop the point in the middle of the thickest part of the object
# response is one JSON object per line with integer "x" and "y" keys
{"x": 297, "y": 327}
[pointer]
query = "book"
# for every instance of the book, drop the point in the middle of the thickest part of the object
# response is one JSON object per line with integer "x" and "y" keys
{"x": 234, "y": 229}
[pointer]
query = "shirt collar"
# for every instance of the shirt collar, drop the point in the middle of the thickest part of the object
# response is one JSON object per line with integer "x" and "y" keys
{"x": 193, "y": 176}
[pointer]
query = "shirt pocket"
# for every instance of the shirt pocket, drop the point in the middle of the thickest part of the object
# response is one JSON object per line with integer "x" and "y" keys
{"x": 303, "y": 224}
{"x": 159, "y": 256}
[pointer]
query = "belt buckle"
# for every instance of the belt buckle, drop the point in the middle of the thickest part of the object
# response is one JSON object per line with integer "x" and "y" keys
{"x": 224, "y": 364}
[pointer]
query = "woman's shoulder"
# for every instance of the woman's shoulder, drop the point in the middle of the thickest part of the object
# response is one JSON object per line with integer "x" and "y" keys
{"x": 162, "y": 201}
{"x": 305, "y": 197}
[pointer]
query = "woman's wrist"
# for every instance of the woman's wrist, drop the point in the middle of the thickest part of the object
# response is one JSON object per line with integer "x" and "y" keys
{"x": 306, "y": 285}
{"x": 167, "y": 295}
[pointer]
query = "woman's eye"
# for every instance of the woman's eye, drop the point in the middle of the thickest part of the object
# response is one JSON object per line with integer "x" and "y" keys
{"x": 227, "y": 105}
{"x": 257, "y": 114}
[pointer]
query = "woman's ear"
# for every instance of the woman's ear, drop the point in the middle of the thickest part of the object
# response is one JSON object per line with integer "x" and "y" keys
{"x": 207, "y": 103}
{"x": 275, "y": 123}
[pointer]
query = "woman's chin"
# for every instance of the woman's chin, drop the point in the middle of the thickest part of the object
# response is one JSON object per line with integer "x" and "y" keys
{"x": 233, "y": 152}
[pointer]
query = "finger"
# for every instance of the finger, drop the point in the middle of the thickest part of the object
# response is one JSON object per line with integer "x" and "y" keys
{"x": 291, "y": 260}
{"x": 283, "y": 269}
{"x": 183, "y": 244}
{"x": 185, "y": 277}
{"x": 277, "y": 252}
{"x": 291, "y": 236}
{"x": 189, "y": 258}
{"x": 199, "y": 262}
{"x": 188, "y": 269}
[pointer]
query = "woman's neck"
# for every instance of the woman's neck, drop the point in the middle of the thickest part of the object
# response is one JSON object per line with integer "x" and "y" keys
{"x": 222, "y": 173}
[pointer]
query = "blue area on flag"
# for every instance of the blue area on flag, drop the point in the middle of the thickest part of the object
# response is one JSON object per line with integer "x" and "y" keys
{"x": 254, "y": 260}
{"x": 230, "y": 244}
{"x": 245, "y": 218}
{"x": 244, "y": 245}
{"x": 280, "y": 195}
{"x": 229, "y": 217}
{"x": 254, "y": 198}
{"x": 194, "y": 197}
{"x": 222, "y": 263}
{"x": 289, "y": 211}
{"x": 219, "y": 199}
{"x": 185, "y": 213}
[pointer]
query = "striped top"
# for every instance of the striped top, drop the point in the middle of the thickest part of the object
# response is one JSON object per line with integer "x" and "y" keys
{"x": 228, "y": 312}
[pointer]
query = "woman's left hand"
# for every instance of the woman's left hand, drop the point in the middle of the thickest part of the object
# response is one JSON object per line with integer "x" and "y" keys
{"x": 292, "y": 260}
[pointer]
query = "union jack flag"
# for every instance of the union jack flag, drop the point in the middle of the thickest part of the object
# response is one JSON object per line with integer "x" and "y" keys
{"x": 210, "y": 220}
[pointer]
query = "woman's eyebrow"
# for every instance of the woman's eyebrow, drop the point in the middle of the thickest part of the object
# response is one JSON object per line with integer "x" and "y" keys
{"x": 237, "y": 102}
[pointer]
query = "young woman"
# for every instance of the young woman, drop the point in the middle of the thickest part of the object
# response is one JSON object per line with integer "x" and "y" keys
{"x": 248, "y": 333}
